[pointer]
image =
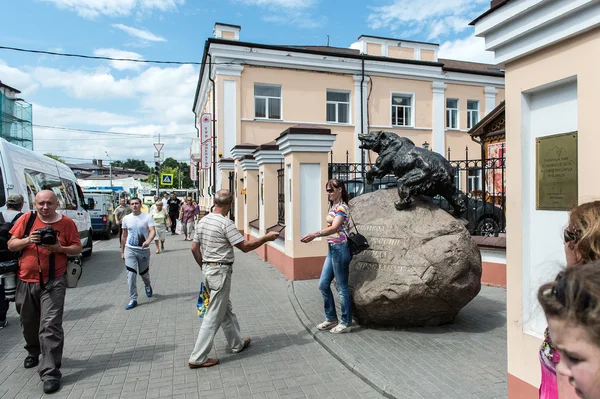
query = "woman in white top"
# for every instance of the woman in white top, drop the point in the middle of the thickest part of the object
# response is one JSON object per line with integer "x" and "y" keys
{"x": 162, "y": 221}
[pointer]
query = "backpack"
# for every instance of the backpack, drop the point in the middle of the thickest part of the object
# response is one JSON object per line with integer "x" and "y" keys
{"x": 5, "y": 227}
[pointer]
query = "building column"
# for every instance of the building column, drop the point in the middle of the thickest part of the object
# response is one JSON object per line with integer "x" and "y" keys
{"x": 358, "y": 127}
{"x": 439, "y": 109}
{"x": 490, "y": 99}
{"x": 249, "y": 197}
{"x": 306, "y": 157}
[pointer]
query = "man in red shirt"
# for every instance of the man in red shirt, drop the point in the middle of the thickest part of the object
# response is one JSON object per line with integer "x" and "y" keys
{"x": 40, "y": 295}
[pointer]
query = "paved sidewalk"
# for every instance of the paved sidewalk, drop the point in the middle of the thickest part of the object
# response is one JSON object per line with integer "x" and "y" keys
{"x": 466, "y": 359}
{"x": 143, "y": 353}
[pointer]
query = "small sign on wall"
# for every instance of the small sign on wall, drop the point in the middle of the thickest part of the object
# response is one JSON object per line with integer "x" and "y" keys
{"x": 556, "y": 172}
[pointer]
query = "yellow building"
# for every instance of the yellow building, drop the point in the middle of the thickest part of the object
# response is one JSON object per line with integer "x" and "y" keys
{"x": 257, "y": 91}
{"x": 549, "y": 49}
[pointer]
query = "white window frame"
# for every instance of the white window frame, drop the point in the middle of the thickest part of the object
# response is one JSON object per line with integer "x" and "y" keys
{"x": 266, "y": 98}
{"x": 471, "y": 111}
{"x": 336, "y": 106}
{"x": 457, "y": 110}
{"x": 475, "y": 181}
{"x": 412, "y": 108}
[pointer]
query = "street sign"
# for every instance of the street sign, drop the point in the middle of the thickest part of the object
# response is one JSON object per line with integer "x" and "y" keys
{"x": 206, "y": 155}
{"x": 206, "y": 133}
{"x": 159, "y": 157}
{"x": 159, "y": 146}
{"x": 166, "y": 179}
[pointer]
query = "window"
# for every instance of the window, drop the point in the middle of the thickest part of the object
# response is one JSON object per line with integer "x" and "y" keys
{"x": 472, "y": 113}
{"x": 267, "y": 101}
{"x": 474, "y": 180}
{"x": 338, "y": 107}
{"x": 452, "y": 114}
{"x": 64, "y": 190}
{"x": 401, "y": 110}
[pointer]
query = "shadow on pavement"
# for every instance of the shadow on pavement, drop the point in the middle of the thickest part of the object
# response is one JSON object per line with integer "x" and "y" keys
{"x": 269, "y": 343}
{"x": 85, "y": 368}
{"x": 84, "y": 313}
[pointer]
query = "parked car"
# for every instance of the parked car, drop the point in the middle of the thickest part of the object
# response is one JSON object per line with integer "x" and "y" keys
{"x": 484, "y": 218}
{"x": 103, "y": 220}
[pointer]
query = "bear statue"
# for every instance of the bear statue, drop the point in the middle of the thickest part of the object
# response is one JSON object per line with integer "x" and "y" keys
{"x": 419, "y": 171}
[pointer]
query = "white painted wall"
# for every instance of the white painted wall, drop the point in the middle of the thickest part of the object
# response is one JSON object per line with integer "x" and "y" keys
{"x": 546, "y": 111}
{"x": 229, "y": 117}
{"x": 310, "y": 198}
{"x": 289, "y": 228}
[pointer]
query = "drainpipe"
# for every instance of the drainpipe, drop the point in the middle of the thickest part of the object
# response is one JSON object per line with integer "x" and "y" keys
{"x": 214, "y": 125}
{"x": 362, "y": 116}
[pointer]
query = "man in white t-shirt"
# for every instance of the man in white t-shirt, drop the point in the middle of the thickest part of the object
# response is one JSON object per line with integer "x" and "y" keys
{"x": 212, "y": 247}
{"x": 138, "y": 234}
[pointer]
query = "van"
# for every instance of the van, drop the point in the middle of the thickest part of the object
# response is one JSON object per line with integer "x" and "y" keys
{"x": 25, "y": 172}
{"x": 101, "y": 213}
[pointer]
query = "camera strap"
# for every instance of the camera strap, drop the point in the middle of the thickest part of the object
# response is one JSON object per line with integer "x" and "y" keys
{"x": 51, "y": 270}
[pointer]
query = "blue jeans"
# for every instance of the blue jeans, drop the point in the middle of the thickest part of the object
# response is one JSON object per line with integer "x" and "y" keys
{"x": 337, "y": 264}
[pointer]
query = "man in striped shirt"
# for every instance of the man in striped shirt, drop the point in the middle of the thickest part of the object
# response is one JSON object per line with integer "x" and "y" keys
{"x": 212, "y": 247}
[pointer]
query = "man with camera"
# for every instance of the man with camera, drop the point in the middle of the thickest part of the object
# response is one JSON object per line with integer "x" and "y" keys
{"x": 212, "y": 248}
{"x": 45, "y": 239}
{"x": 8, "y": 260}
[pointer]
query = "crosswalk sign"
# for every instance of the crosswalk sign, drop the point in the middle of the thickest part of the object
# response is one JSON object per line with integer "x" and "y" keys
{"x": 166, "y": 179}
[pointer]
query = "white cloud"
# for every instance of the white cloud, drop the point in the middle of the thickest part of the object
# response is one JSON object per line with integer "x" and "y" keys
{"x": 17, "y": 79}
{"x": 279, "y": 3}
{"x": 120, "y": 65}
{"x": 469, "y": 49}
{"x": 433, "y": 19}
{"x": 57, "y": 116}
{"x": 142, "y": 34}
{"x": 114, "y": 8}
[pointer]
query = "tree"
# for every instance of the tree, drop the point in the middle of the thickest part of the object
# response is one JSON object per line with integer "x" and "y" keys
{"x": 135, "y": 164}
{"x": 55, "y": 157}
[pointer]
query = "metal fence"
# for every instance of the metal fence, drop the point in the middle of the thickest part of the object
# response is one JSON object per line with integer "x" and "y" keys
{"x": 232, "y": 190}
{"x": 281, "y": 196}
{"x": 482, "y": 181}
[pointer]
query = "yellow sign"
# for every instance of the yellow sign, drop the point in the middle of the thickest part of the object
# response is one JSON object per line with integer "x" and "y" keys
{"x": 166, "y": 179}
{"x": 556, "y": 172}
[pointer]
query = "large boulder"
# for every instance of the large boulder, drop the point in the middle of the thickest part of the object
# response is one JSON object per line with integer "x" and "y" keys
{"x": 422, "y": 267}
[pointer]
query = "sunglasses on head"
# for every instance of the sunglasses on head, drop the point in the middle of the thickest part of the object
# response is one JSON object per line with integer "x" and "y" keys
{"x": 569, "y": 236}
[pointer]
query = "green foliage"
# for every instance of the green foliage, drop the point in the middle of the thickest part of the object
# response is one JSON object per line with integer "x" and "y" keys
{"x": 179, "y": 170}
{"x": 135, "y": 164}
{"x": 55, "y": 157}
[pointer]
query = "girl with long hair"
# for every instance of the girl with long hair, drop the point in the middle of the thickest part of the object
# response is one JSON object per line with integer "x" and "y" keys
{"x": 337, "y": 263}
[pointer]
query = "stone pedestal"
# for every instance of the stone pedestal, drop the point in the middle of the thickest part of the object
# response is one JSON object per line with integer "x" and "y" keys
{"x": 421, "y": 269}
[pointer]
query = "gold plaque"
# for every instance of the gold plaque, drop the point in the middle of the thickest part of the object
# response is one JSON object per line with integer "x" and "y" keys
{"x": 556, "y": 172}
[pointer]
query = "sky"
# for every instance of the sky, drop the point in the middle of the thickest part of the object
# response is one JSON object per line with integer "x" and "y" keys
{"x": 136, "y": 102}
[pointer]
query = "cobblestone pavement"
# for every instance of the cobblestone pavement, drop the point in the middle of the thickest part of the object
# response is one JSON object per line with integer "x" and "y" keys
{"x": 143, "y": 353}
{"x": 466, "y": 359}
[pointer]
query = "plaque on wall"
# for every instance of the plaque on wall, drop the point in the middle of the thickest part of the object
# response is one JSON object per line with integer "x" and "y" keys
{"x": 556, "y": 172}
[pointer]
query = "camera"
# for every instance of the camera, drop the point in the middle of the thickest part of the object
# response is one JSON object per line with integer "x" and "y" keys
{"x": 47, "y": 235}
{"x": 8, "y": 276}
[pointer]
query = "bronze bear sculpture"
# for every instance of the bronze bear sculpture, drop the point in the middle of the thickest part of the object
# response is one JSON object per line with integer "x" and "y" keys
{"x": 419, "y": 171}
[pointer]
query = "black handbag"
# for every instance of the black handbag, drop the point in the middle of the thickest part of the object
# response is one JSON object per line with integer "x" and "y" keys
{"x": 356, "y": 241}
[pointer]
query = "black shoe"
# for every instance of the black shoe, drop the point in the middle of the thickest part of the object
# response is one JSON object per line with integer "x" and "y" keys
{"x": 31, "y": 361}
{"x": 51, "y": 386}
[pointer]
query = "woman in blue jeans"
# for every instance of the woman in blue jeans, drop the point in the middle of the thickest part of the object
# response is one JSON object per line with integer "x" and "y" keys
{"x": 338, "y": 259}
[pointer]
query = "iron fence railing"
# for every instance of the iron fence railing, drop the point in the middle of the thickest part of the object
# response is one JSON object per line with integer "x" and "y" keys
{"x": 482, "y": 181}
{"x": 232, "y": 191}
{"x": 281, "y": 196}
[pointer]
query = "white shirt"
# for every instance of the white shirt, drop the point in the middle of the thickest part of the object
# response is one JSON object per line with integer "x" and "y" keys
{"x": 138, "y": 229}
{"x": 217, "y": 236}
{"x": 9, "y": 215}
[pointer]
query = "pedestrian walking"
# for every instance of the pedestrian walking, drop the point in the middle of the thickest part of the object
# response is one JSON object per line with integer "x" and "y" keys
{"x": 45, "y": 238}
{"x": 161, "y": 223}
{"x": 14, "y": 204}
{"x": 138, "y": 233}
{"x": 187, "y": 215}
{"x": 120, "y": 212}
{"x": 337, "y": 263}
{"x": 173, "y": 208}
{"x": 212, "y": 248}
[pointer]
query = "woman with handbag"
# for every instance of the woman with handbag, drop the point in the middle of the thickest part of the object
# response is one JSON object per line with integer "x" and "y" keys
{"x": 337, "y": 263}
{"x": 162, "y": 222}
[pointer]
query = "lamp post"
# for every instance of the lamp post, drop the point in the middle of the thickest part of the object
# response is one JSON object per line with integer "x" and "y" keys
{"x": 426, "y": 145}
{"x": 109, "y": 168}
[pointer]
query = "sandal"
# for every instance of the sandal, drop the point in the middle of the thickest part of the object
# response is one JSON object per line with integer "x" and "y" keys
{"x": 341, "y": 329}
{"x": 327, "y": 325}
